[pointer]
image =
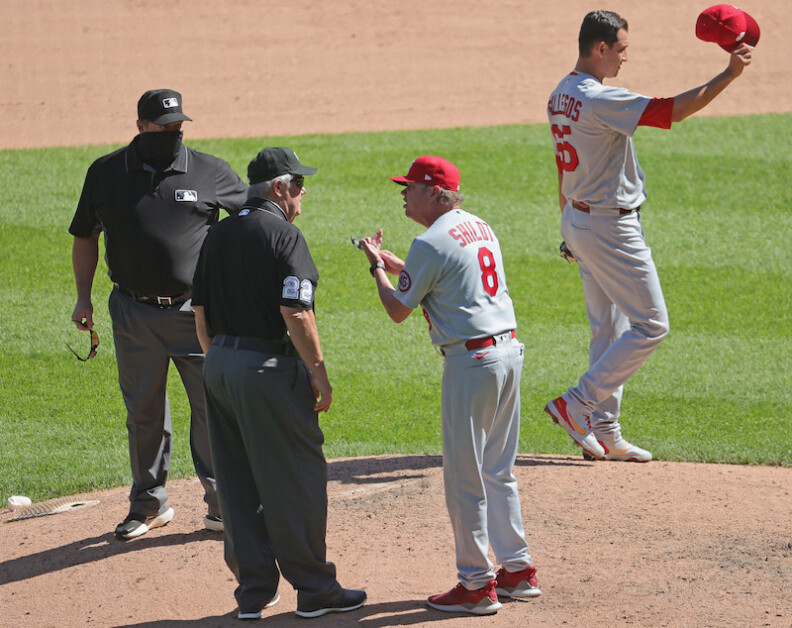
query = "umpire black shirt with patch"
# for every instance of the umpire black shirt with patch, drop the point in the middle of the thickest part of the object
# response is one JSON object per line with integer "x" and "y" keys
{"x": 155, "y": 222}
{"x": 250, "y": 265}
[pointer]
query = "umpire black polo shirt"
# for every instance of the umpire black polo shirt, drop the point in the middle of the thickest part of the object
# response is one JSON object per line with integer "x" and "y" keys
{"x": 155, "y": 222}
{"x": 250, "y": 265}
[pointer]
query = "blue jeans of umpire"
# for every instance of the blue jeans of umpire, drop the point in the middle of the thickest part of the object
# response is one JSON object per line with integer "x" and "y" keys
{"x": 147, "y": 338}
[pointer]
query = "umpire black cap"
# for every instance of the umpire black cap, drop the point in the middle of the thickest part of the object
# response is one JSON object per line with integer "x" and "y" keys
{"x": 273, "y": 162}
{"x": 161, "y": 106}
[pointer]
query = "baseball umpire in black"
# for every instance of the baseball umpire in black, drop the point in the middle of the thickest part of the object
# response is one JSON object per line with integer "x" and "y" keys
{"x": 154, "y": 200}
{"x": 266, "y": 382}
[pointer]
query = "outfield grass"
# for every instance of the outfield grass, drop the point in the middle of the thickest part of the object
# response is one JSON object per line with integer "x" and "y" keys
{"x": 718, "y": 220}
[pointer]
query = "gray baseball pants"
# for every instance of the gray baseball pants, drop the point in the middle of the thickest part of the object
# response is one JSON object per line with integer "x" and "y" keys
{"x": 481, "y": 432}
{"x": 271, "y": 474}
{"x": 147, "y": 338}
{"x": 624, "y": 302}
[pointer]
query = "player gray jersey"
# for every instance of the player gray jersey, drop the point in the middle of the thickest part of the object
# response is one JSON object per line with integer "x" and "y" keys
{"x": 454, "y": 270}
{"x": 592, "y": 127}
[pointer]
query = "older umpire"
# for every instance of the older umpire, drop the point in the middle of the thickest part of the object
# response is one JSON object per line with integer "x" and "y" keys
{"x": 154, "y": 200}
{"x": 265, "y": 379}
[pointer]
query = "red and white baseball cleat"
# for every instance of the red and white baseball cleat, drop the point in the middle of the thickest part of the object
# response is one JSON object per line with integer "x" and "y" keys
{"x": 617, "y": 448}
{"x": 519, "y": 585}
{"x": 483, "y": 601}
{"x": 576, "y": 425}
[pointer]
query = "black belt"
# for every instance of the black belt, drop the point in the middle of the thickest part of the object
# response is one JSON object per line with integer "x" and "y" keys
{"x": 247, "y": 343}
{"x": 586, "y": 209}
{"x": 160, "y": 301}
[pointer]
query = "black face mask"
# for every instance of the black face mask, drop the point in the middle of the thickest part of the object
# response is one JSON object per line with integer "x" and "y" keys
{"x": 159, "y": 148}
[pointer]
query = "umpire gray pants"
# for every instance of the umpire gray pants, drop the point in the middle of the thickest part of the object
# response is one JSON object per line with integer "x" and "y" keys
{"x": 271, "y": 474}
{"x": 624, "y": 302}
{"x": 146, "y": 338}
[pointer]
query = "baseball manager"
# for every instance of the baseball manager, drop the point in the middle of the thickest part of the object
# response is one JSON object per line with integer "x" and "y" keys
{"x": 454, "y": 272}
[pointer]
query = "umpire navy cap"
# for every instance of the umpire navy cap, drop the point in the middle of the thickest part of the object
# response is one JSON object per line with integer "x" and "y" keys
{"x": 273, "y": 162}
{"x": 161, "y": 106}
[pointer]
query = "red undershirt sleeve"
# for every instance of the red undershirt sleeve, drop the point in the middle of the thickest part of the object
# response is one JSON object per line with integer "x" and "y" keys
{"x": 658, "y": 113}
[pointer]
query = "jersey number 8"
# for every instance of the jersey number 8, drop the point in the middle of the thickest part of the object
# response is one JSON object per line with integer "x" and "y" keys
{"x": 489, "y": 277}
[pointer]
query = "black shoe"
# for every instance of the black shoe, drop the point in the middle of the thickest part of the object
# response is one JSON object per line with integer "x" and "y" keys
{"x": 257, "y": 614}
{"x": 348, "y": 600}
{"x": 137, "y": 525}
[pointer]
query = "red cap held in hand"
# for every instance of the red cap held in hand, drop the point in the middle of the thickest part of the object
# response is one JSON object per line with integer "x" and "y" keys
{"x": 727, "y": 26}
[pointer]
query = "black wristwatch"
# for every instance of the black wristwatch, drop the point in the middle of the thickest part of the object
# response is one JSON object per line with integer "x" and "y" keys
{"x": 374, "y": 267}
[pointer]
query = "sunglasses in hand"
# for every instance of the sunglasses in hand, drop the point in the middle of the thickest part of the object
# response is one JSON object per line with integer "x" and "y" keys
{"x": 94, "y": 347}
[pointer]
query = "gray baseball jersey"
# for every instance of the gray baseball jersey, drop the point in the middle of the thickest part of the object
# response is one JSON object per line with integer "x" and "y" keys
{"x": 454, "y": 270}
{"x": 592, "y": 125}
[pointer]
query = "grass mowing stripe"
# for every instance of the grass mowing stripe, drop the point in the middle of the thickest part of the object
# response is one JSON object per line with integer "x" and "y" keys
{"x": 717, "y": 218}
{"x": 731, "y": 301}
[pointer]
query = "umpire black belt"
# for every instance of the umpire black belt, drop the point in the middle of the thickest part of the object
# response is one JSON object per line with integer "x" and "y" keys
{"x": 586, "y": 209}
{"x": 247, "y": 343}
{"x": 160, "y": 301}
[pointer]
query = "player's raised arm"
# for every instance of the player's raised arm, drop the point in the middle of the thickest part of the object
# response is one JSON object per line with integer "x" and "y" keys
{"x": 737, "y": 33}
{"x": 691, "y": 101}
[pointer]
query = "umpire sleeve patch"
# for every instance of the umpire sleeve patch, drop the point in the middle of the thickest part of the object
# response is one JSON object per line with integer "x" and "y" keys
{"x": 297, "y": 290}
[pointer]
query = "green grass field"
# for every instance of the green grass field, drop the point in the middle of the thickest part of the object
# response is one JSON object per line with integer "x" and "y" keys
{"x": 718, "y": 220}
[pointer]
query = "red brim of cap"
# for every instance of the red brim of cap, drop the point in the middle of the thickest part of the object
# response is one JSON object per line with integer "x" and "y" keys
{"x": 402, "y": 180}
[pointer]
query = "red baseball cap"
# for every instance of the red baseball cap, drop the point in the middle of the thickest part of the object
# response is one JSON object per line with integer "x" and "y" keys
{"x": 727, "y": 26}
{"x": 432, "y": 171}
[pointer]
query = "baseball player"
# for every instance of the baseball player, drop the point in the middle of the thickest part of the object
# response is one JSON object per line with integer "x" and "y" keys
{"x": 454, "y": 271}
{"x": 601, "y": 190}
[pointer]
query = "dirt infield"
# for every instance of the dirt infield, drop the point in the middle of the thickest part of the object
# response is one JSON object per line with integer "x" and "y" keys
{"x": 661, "y": 544}
{"x": 72, "y": 72}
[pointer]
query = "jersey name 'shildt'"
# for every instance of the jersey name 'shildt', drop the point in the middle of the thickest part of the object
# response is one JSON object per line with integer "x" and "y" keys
{"x": 461, "y": 298}
{"x": 468, "y": 232}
